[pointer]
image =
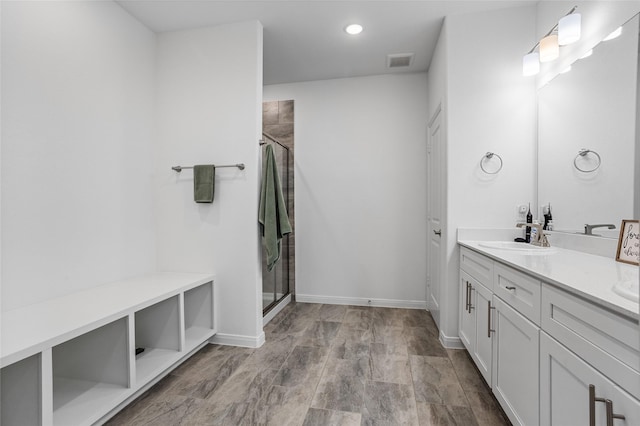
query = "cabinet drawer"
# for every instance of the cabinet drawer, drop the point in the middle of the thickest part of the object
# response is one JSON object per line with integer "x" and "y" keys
{"x": 605, "y": 340}
{"x": 518, "y": 290}
{"x": 478, "y": 266}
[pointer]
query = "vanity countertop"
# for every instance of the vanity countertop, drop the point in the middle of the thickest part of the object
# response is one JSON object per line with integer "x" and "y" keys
{"x": 589, "y": 276}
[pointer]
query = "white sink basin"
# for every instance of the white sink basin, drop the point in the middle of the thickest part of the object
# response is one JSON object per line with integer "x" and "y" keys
{"x": 627, "y": 289}
{"x": 521, "y": 248}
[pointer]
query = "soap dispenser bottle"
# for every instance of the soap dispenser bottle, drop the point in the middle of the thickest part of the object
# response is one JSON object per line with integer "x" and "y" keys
{"x": 548, "y": 219}
{"x": 527, "y": 232}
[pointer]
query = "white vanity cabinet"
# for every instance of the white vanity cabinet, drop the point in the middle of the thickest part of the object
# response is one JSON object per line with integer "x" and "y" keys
{"x": 515, "y": 363}
{"x": 583, "y": 346}
{"x": 557, "y": 358}
{"x": 476, "y": 279}
{"x": 565, "y": 382}
{"x": 502, "y": 342}
{"x": 474, "y": 323}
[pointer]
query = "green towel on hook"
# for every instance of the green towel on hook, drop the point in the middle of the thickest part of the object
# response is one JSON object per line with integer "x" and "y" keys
{"x": 203, "y": 183}
{"x": 272, "y": 215}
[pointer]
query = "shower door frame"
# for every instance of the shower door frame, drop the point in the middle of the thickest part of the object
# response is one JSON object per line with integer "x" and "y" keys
{"x": 285, "y": 254}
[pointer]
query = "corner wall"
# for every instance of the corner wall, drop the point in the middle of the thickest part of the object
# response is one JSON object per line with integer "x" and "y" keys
{"x": 360, "y": 173}
{"x": 77, "y": 119}
{"x": 209, "y": 107}
{"x": 489, "y": 107}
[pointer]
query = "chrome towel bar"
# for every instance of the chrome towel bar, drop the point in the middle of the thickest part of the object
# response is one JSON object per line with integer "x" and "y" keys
{"x": 180, "y": 168}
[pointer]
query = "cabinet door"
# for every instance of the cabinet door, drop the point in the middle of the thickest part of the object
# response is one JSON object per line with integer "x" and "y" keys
{"x": 516, "y": 344}
{"x": 482, "y": 349}
{"x": 467, "y": 317}
{"x": 564, "y": 390}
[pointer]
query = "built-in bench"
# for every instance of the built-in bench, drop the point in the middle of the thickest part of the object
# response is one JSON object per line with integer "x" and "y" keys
{"x": 72, "y": 360}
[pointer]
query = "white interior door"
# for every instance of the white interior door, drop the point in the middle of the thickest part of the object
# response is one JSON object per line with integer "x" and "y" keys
{"x": 434, "y": 212}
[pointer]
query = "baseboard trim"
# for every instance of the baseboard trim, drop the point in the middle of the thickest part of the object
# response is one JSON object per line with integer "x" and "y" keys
{"x": 361, "y": 301}
{"x": 450, "y": 342}
{"x": 238, "y": 340}
{"x": 276, "y": 310}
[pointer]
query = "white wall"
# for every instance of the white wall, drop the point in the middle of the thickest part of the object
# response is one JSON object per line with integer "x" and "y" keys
{"x": 360, "y": 173}
{"x": 209, "y": 106}
{"x": 77, "y": 104}
{"x": 489, "y": 107}
{"x": 437, "y": 76}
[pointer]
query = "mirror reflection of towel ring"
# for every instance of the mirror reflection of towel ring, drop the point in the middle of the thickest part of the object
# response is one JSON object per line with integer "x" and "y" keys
{"x": 489, "y": 156}
{"x": 583, "y": 153}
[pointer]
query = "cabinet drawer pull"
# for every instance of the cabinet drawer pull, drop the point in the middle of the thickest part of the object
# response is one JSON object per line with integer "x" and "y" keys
{"x": 466, "y": 306}
{"x": 489, "y": 308}
{"x": 510, "y": 288}
{"x": 592, "y": 405}
{"x": 610, "y": 414}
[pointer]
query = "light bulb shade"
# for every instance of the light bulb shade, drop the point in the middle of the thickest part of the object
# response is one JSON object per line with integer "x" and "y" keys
{"x": 615, "y": 34}
{"x": 549, "y": 48}
{"x": 531, "y": 64}
{"x": 569, "y": 29}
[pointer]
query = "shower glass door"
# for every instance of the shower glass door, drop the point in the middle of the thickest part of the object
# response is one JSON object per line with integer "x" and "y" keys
{"x": 275, "y": 283}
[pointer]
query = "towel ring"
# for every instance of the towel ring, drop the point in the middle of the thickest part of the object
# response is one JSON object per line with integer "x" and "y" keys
{"x": 582, "y": 153}
{"x": 489, "y": 156}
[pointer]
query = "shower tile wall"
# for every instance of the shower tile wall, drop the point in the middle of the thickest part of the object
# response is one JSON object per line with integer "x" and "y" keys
{"x": 277, "y": 120}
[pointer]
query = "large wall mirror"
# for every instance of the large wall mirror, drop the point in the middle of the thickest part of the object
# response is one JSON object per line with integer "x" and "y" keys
{"x": 588, "y": 142}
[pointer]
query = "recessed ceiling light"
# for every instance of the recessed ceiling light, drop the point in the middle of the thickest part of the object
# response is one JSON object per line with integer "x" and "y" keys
{"x": 353, "y": 29}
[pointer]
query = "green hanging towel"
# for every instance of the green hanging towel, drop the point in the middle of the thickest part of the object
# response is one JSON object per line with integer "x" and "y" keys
{"x": 272, "y": 215}
{"x": 203, "y": 183}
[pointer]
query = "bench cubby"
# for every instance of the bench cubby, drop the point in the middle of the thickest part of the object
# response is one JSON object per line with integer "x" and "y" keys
{"x": 90, "y": 372}
{"x": 199, "y": 321}
{"x": 21, "y": 392}
{"x": 157, "y": 331}
{"x": 72, "y": 361}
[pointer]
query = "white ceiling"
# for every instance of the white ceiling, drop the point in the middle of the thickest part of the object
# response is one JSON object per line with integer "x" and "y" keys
{"x": 304, "y": 40}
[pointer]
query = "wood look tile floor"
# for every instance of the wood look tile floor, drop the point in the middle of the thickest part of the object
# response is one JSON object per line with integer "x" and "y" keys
{"x": 325, "y": 365}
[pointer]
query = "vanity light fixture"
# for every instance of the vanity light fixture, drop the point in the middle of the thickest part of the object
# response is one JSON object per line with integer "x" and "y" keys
{"x": 531, "y": 64}
{"x": 566, "y": 31}
{"x": 569, "y": 29}
{"x": 549, "y": 48}
{"x": 353, "y": 29}
{"x": 614, "y": 34}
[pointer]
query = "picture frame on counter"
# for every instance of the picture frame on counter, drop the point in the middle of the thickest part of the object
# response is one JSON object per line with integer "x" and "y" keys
{"x": 629, "y": 242}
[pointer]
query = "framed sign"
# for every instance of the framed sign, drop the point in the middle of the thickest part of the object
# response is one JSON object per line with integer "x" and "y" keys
{"x": 629, "y": 242}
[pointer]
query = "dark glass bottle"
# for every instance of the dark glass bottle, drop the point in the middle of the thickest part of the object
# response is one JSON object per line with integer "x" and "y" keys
{"x": 527, "y": 232}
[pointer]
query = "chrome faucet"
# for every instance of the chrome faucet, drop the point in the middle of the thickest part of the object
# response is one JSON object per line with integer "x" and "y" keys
{"x": 541, "y": 238}
{"x": 588, "y": 229}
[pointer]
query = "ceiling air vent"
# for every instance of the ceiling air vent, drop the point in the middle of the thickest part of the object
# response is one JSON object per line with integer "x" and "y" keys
{"x": 399, "y": 60}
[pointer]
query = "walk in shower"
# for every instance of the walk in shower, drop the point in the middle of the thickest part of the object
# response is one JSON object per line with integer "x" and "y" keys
{"x": 276, "y": 283}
